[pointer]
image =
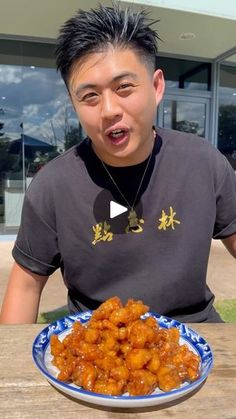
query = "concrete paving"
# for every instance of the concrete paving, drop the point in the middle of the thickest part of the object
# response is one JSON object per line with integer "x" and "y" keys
{"x": 221, "y": 277}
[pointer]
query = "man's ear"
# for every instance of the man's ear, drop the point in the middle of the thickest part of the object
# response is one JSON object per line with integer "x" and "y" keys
{"x": 159, "y": 85}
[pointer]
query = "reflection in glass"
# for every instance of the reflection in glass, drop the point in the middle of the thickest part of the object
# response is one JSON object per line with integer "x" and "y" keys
{"x": 37, "y": 122}
{"x": 227, "y": 114}
{"x": 185, "y": 74}
{"x": 185, "y": 116}
{"x": 11, "y": 179}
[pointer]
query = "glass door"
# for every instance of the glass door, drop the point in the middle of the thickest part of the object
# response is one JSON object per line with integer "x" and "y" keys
{"x": 185, "y": 113}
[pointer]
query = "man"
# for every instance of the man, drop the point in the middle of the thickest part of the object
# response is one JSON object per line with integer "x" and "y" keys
{"x": 175, "y": 190}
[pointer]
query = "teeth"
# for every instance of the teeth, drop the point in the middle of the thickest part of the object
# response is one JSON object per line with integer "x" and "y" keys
{"x": 117, "y": 133}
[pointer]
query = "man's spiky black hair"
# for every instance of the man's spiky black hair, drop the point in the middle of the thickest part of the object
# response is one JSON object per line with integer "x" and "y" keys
{"x": 94, "y": 30}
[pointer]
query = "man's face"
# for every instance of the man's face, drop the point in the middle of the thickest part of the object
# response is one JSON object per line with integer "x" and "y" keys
{"x": 115, "y": 97}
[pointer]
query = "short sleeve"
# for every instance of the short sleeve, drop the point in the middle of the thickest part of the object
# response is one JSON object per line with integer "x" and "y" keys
{"x": 36, "y": 246}
{"x": 225, "y": 224}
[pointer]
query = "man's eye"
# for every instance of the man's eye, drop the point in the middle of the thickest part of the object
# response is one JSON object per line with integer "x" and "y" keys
{"x": 125, "y": 86}
{"x": 89, "y": 96}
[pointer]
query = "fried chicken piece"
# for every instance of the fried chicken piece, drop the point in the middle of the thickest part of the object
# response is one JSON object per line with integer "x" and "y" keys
{"x": 142, "y": 382}
{"x": 57, "y": 347}
{"x": 108, "y": 342}
{"x": 91, "y": 335}
{"x": 119, "y": 317}
{"x": 137, "y": 358}
{"x": 129, "y": 313}
{"x": 154, "y": 364}
{"x": 107, "y": 362}
{"x": 106, "y": 308}
{"x": 140, "y": 334}
{"x": 187, "y": 363}
{"x": 87, "y": 351}
{"x": 125, "y": 347}
{"x": 122, "y": 333}
{"x": 120, "y": 373}
{"x": 168, "y": 377}
{"x": 84, "y": 375}
{"x": 136, "y": 309}
{"x": 110, "y": 387}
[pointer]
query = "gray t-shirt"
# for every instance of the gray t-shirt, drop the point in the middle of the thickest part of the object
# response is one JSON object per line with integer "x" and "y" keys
{"x": 187, "y": 198}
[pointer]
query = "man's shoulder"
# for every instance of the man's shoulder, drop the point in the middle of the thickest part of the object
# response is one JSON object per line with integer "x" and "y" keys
{"x": 182, "y": 137}
{"x": 75, "y": 153}
{"x": 62, "y": 167}
{"x": 195, "y": 151}
{"x": 189, "y": 144}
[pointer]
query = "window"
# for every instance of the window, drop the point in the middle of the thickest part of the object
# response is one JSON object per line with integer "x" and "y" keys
{"x": 227, "y": 113}
{"x": 185, "y": 74}
{"x": 37, "y": 121}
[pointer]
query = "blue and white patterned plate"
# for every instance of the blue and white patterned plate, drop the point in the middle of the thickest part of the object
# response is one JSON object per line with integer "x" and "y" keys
{"x": 43, "y": 360}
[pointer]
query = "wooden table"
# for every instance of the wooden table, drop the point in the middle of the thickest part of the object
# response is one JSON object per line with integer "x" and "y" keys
{"x": 25, "y": 393}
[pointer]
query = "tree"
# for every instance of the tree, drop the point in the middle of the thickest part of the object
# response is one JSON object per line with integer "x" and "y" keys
{"x": 73, "y": 136}
{"x": 227, "y": 128}
{"x": 1, "y": 127}
{"x": 227, "y": 133}
{"x": 7, "y": 160}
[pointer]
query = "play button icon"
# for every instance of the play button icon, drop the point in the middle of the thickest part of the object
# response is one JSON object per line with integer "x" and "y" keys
{"x": 116, "y": 209}
{"x": 106, "y": 208}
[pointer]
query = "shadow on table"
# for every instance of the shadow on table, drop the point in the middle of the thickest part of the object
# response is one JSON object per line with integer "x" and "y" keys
{"x": 134, "y": 410}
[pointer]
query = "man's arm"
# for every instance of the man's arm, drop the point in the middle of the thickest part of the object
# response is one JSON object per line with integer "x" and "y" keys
{"x": 21, "y": 301}
{"x": 230, "y": 244}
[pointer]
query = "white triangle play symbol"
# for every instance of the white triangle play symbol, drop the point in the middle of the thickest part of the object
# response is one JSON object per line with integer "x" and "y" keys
{"x": 116, "y": 209}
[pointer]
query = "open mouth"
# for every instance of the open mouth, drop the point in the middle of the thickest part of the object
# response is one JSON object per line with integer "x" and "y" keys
{"x": 118, "y": 136}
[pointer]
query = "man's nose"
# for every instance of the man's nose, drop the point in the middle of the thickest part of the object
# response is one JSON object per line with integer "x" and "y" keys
{"x": 110, "y": 106}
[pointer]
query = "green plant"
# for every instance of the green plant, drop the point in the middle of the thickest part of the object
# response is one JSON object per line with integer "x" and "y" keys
{"x": 52, "y": 316}
{"x": 227, "y": 309}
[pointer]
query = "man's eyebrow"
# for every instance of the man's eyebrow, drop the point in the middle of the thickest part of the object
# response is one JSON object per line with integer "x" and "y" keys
{"x": 84, "y": 86}
{"x": 125, "y": 74}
